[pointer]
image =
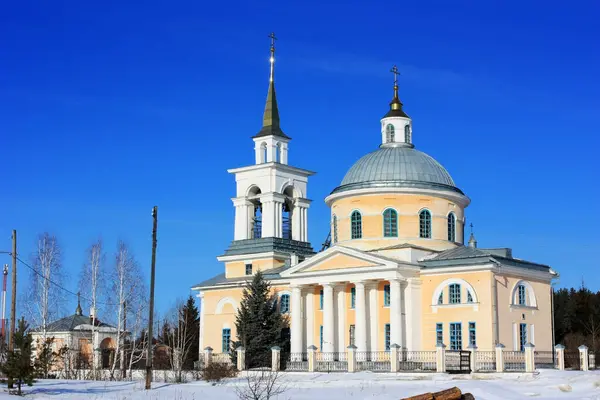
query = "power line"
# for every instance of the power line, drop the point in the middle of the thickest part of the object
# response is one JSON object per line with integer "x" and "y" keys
{"x": 62, "y": 287}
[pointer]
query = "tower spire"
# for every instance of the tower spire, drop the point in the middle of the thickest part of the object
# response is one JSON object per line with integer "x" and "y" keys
{"x": 78, "y": 310}
{"x": 271, "y": 115}
{"x": 396, "y": 104}
{"x": 472, "y": 240}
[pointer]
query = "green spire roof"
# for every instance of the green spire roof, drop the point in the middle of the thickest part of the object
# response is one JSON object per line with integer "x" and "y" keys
{"x": 271, "y": 116}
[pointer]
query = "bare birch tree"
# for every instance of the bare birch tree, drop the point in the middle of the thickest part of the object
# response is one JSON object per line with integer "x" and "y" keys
{"x": 91, "y": 284}
{"x": 45, "y": 300}
{"x": 128, "y": 291}
{"x": 179, "y": 338}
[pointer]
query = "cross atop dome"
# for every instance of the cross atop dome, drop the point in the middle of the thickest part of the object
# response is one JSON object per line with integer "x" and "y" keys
{"x": 396, "y": 104}
{"x": 396, "y": 129}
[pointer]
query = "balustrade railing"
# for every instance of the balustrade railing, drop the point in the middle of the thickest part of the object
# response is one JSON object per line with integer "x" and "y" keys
{"x": 545, "y": 359}
{"x": 572, "y": 359}
{"x": 332, "y": 362}
{"x": 417, "y": 361}
{"x": 485, "y": 361}
{"x": 514, "y": 361}
{"x": 224, "y": 358}
{"x": 297, "y": 362}
{"x": 592, "y": 360}
{"x": 376, "y": 361}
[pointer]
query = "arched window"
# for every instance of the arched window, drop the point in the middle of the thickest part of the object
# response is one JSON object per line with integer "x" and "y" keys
{"x": 452, "y": 227}
{"x": 278, "y": 153}
{"x": 284, "y": 304}
{"x": 263, "y": 153}
{"x": 425, "y": 224}
{"x": 390, "y": 223}
{"x": 356, "y": 225}
{"x": 335, "y": 233}
{"x": 407, "y": 133}
{"x": 523, "y": 295}
{"x": 389, "y": 134}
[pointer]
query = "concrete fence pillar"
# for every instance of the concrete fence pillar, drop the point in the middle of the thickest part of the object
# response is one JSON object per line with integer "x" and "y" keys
{"x": 241, "y": 358}
{"x": 275, "y": 358}
{"x": 559, "y": 351}
{"x": 440, "y": 357}
{"x": 351, "y": 358}
{"x": 473, "y": 350}
{"x": 394, "y": 357}
{"x": 583, "y": 358}
{"x": 312, "y": 358}
{"x": 529, "y": 357}
{"x": 499, "y": 357}
{"x": 208, "y": 352}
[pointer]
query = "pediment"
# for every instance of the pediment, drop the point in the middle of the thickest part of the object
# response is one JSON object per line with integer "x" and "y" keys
{"x": 339, "y": 258}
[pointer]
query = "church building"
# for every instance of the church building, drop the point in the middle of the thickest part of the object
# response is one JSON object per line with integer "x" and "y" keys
{"x": 397, "y": 270}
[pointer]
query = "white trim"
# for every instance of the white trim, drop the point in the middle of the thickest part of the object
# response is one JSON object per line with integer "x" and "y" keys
{"x": 282, "y": 167}
{"x": 529, "y": 292}
{"x": 460, "y": 199}
{"x": 516, "y": 344}
{"x": 450, "y": 281}
{"x": 222, "y": 302}
{"x": 531, "y": 337}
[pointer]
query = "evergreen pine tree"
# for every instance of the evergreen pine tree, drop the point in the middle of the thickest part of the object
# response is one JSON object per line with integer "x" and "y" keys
{"x": 192, "y": 323}
{"x": 259, "y": 323}
{"x": 18, "y": 365}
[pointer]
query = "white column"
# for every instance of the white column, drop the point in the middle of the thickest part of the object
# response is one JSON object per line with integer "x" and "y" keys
{"x": 341, "y": 314}
{"x": 296, "y": 312}
{"x": 396, "y": 313}
{"x": 268, "y": 218}
{"x": 284, "y": 153}
{"x": 202, "y": 313}
{"x": 305, "y": 228}
{"x": 328, "y": 319}
{"x": 361, "y": 317}
{"x": 373, "y": 317}
{"x": 310, "y": 317}
{"x": 296, "y": 224}
{"x": 242, "y": 219}
{"x": 412, "y": 307}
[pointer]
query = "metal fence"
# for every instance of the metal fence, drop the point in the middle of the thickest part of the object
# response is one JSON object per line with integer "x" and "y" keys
{"x": 224, "y": 358}
{"x": 331, "y": 362}
{"x": 375, "y": 361}
{"x": 592, "y": 360}
{"x": 417, "y": 361}
{"x": 514, "y": 361}
{"x": 485, "y": 361}
{"x": 458, "y": 361}
{"x": 572, "y": 359}
{"x": 297, "y": 362}
{"x": 545, "y": 359}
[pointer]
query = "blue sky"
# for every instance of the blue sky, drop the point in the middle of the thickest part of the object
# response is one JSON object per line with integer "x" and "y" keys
{"x": 106, "y": 111}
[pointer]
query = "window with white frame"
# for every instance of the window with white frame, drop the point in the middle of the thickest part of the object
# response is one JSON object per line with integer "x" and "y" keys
{"x": 335, "y": 232}
{"x": 472, "y": 334}
{"x": 386, "y": 296}
{"x": 454, "y": 293}
{"x": 390, "y": 223}
{"x": 452, "y": 227}
{"x": 522, "y": 295}
{"x": 226, "y": 340}
{"x": 387, "y": 337}
{"x": 455, "y": 336}
{"x": 425, "y": 224}
{"x": 439, "y": 333}
{"x": 356, "y": 225}
{"x": 522, "y": 336}
{"x": 284, "y": 304}
{"x": 390, "y": 134}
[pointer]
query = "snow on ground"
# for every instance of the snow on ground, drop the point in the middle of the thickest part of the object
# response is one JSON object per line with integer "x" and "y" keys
{"x": 547, "y": 384}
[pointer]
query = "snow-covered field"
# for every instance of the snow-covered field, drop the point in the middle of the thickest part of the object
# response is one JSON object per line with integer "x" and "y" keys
{"x": 547, "y": 384}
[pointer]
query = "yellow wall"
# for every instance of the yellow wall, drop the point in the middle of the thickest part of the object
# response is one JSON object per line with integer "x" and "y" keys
{"x": 339, "y": 261}
{"x": 408, "y": 207}
{"x": 236, "y": 269}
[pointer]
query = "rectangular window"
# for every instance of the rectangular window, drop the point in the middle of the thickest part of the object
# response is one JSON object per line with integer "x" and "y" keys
{"x": 439, "y": 333}
{"x": 352, "y": 297}
{"x": 522, "y": 298}
{"x": 455, "y": 336}
{"x": 321, "y": 299}
{"x": 248, "y": 269}
{"x": 352, "y": 330}
{"x": 454, "y": 297}
{"x": 386, "y": 295}
{"x": 522, "y": 336}
{"x": 226, "y": 339}
{"x": 472, "y": 334}
{"x": 387, "y": 337}
{"x": 321, "y": 337}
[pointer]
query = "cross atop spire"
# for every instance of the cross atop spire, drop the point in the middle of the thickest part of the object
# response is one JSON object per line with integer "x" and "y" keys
{"x": 396, "y": 104}
{"x": 472, "y": 240}
{"x": 78, "y": 310}
{"x": 271, "y": 114}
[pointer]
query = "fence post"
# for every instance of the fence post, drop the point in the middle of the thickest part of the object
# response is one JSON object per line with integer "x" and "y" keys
{"x": 583, "y": 358}
{"x": 440, "y": 357}
{"x": 394, "y": 353}
{"x": 529, "y": 357}
{"x": 241, "y": 358}
{"x": 275, "y": 358}
{"x": 473, "y": 350}
{"x": 499, "y": 357}
{"x": 207, "y": 356}
{"x": 560, "y": 356}
{"x": 351, "y": 358}
{"x": 312, "y": 358}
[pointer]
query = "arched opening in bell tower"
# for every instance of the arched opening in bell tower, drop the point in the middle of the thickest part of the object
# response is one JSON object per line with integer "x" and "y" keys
{"x": 256, "y": 214}
{"x": 287, "y": 213}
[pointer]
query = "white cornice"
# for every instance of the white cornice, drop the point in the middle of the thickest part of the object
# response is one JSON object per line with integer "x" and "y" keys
{"x": 456, "y": 197}
{"x": 272, "y": 165}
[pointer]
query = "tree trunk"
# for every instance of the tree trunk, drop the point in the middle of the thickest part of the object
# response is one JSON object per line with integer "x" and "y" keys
{"x": 448, "y": 394}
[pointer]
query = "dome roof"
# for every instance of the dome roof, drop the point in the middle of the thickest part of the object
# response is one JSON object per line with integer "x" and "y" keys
{"x": 399, "y": 166}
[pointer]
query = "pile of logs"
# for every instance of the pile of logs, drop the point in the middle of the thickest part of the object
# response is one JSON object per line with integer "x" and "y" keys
{"x": 448, "y": 394}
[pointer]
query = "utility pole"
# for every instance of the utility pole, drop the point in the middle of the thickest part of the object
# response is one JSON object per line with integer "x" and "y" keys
{"x": 4, "y": 279}
{"x": 151, "y": 315}
{"x": 13, "y": 303}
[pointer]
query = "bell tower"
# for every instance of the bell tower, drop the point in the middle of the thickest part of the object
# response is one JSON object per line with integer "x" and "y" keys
{"x": 396, "y": 125}
{"x": 271, "y": 204}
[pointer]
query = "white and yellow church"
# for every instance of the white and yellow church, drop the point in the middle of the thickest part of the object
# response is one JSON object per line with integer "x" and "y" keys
{"x": 397, "y": 270}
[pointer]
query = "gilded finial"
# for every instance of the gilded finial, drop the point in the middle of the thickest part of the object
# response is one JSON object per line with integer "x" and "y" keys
{"x": 472, "y": 240}
{"x": 78, "y": 310}
{"x": 395, "y": 104}
{"x": 272, "y": 58}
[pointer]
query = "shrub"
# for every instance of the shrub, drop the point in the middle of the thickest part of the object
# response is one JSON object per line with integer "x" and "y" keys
{"x": 217, "y": 371}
